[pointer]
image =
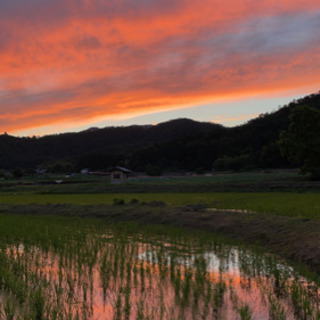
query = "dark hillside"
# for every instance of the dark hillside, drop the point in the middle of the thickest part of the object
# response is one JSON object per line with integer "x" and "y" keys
{"x": 180, "y": 144}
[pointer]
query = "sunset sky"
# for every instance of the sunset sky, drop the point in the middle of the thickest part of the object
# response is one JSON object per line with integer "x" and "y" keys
{"x": 66, "y": 65}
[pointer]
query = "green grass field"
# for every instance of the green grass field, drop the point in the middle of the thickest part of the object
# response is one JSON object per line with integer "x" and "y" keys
{"x": 241, "y": 181}
{"x": 281, "y": 203}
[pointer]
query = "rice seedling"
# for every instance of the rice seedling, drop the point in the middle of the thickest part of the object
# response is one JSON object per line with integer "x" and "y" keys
{"x": 276, "y": 310}
{"x": 8, "y": 311}
{"x": 245, "y": 313}
{"x": 86, "y": 268}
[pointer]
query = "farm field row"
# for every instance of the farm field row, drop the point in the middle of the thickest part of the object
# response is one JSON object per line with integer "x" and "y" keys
{"x": 279, "y": 203}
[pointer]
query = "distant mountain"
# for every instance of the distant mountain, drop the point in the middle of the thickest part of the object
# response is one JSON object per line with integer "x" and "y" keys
{"x": 91, "y": 129}
{"x": 180, "y": 144}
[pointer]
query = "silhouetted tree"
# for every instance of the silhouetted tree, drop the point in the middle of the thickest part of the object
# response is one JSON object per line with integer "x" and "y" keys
{"x": 301, "y": 142}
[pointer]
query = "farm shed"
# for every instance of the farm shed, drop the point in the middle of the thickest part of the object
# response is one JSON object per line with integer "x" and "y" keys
{"x": 119, "y": 174}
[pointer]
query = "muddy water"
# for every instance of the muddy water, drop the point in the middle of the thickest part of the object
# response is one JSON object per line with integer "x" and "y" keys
{"x": 116, "y": 275}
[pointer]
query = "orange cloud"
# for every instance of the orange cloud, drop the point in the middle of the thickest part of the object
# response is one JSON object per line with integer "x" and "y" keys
{"x": 78, "y": 60}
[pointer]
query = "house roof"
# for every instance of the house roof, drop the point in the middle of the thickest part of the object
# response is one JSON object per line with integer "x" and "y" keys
{"x": 117, "y": 168}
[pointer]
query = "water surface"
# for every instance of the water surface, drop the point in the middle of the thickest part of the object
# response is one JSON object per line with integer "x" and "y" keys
{"x": 112, "y": 272}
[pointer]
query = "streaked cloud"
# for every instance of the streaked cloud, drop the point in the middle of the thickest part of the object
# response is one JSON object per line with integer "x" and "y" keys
{"x": 78, "y": 60}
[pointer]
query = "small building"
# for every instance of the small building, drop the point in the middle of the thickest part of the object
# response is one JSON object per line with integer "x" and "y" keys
{"x": 119, "y": 174}
{"x": 85, "y": 171}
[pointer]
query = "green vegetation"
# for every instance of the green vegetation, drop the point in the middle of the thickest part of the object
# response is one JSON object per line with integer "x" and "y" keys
{"x": 284, "y": 180}
{"x": 280, "y": 203}
{"x": 301, "y": 142}
{"x": 55, "y": 267}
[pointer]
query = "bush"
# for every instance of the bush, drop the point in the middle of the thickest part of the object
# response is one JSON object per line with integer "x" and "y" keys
{"x": 60, "y": 166}
{"x": 153, "y": 171}
{"x": 235, "y": 163}
{"x": 199, "y": 170}
{"x": 17, "y": 173}
{"x": 118, "y": 201}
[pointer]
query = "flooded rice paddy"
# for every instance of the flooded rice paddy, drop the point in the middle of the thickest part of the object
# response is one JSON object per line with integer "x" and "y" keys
{"x": 65, "y": 268}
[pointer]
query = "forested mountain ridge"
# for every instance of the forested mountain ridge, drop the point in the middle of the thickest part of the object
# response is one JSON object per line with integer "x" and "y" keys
{"x": 180, "y": 144}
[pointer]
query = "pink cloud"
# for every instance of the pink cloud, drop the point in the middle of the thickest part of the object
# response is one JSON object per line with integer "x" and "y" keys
{"x": 73, "y": 60}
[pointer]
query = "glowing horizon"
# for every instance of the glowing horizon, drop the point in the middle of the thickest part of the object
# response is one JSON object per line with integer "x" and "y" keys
{"x": 73, "y": 63}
